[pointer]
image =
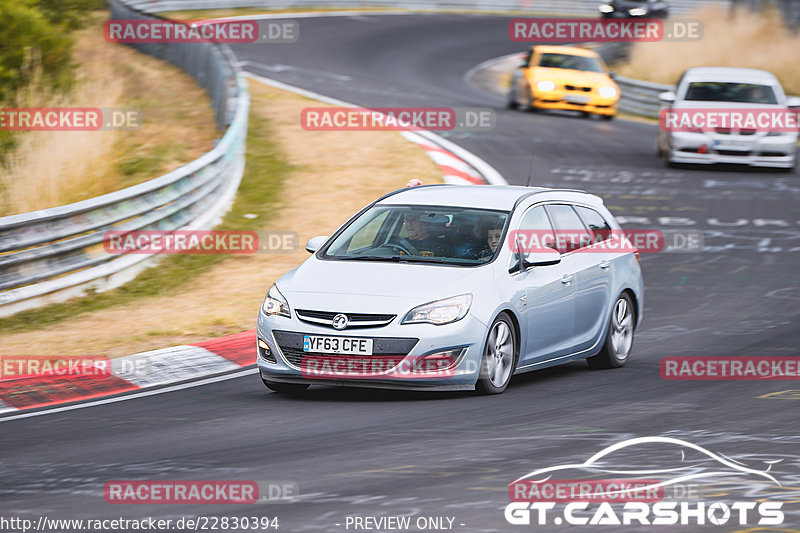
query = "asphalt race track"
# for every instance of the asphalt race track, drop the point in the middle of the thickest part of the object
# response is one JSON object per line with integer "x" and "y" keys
{"x": 373, "y": 453}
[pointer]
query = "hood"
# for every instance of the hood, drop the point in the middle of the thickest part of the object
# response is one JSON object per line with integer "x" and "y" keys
{"x": 376, "y": 287}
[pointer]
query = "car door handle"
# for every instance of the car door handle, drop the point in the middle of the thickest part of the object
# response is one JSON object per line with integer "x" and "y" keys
{"x": 567, "y": 279}
{"x": 605, "y": 265}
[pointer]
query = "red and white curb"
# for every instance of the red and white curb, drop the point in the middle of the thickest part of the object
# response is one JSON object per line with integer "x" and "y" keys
{"x": 159, "y": 368}
{"x": 143, "y": 370}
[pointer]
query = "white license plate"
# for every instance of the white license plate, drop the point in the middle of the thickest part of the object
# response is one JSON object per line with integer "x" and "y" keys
{"x": 576, "y": 98}
{"x": 733, "y": 145}
{"x": 337, "y": 345}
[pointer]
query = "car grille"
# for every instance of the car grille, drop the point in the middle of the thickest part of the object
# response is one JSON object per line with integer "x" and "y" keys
{"x": 354, "y": 320}
{"x": 729, "y": 131}
{"x": 576, "y": 88}
{"x": 732, "y": 152}
{"x": 383, "y": 348}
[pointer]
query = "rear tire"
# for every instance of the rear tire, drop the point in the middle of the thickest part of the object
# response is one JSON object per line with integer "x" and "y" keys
{"x": 499, "y": 356}
{"x": 285, "y": 388}
{"x": 619, "y": 338}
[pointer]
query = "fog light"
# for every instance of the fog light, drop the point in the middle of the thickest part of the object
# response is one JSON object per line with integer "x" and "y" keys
{"x": 265, "y": 353}
{"x": 703, "y": 149}
{"x": 442, "y": 360}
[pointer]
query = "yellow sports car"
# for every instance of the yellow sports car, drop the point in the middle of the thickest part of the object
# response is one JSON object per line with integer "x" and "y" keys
{"x": 567, "y": 78}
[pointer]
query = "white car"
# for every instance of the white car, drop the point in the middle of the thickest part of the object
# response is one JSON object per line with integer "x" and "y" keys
{"x": 724, "y": 91}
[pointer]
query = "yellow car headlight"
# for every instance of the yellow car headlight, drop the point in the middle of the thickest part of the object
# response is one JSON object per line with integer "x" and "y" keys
{"x": 608, "y": 92}
{"x": 546, "y": 85}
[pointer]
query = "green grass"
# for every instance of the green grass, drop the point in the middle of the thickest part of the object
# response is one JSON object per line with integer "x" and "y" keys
{"x": 258, "y": 193}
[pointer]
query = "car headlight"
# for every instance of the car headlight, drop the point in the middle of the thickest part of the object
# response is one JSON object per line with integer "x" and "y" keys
{"x": 441, "y": 311}
{"x": 546, "y": 85}
{"x": 275, "y": 303}
{"x": 606, "y": 8}
{"x": 778, "y": 133}
{"x": 608, "y": 92}
{"x": 637, "y": 11}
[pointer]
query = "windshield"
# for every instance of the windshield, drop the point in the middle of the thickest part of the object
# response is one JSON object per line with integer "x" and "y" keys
{"x": 748, "y": 93}
{"x": 421, "y": 234}
{"x": 570, "y": 62}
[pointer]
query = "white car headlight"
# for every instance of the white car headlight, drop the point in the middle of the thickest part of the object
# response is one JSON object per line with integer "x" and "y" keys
{"x": 546, "y": 85}
{"x": 441, "y": 311}
{"x": 638, "y": 11}
{"x": 608, "y": 92}
{"x": 275, "y": 303}
{"x": 606, "y": 8}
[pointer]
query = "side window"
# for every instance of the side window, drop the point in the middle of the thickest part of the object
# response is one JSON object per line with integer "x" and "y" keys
{"x": 529, "y": 57}
{"x": 600, "y": 229}
{"x": 534, "y": 231}
{"x": 571, "y": 234}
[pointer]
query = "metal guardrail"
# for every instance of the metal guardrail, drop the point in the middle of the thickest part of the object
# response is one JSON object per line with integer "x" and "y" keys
{"x": 640, "y": 97}
{"x": 566, "y": 7}
{"x": 57, "y": 253}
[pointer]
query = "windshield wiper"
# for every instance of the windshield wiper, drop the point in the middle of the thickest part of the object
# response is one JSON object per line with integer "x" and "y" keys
{"x": 391, "y": 259}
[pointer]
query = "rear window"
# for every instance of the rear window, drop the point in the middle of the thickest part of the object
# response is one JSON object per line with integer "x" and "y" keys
{"x": 746, "y": 93}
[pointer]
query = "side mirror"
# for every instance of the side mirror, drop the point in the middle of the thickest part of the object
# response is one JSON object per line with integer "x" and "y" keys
{"x": 314, "y": 243}
{"x": 793, "y": 102}
{"x": 544, "y": 256}
{"x": 667, "y": 97}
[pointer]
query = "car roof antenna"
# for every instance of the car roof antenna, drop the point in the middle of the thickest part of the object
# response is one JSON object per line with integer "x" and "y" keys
{"x": 530, "y": 172}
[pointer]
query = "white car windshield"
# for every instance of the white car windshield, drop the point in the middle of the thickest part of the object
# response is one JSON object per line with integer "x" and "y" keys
{"x": 748, "y": 93}
{"x": 422, "y": 234}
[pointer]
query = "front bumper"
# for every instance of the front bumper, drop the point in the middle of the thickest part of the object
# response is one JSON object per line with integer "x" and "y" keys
{"x": 468, "y": 333}
{"x": 777, "y": 152}
{"x": 556, "y": 100}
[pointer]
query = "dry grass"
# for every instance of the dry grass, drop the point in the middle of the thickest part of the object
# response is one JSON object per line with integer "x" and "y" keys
{"x": 744, "y": 40}
{"x": 54, "y": 168}
{"x": 336, "y": 173}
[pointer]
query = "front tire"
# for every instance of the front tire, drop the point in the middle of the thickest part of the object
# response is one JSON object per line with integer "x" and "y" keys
{"x": 619, "y": 338}
{"x": 285, "y": 388}
{"x": 499, "y": 356}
